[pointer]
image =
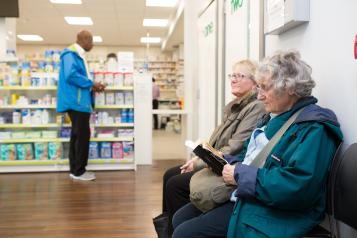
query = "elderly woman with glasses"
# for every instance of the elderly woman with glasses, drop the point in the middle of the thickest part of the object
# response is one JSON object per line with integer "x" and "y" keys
{"x": 240, "y": 118}
{"x": 284, "y": 198}
{"x": 287, "y": 196}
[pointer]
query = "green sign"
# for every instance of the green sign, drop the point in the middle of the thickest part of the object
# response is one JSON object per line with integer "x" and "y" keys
{"x": 208, "y": 29}
{"x": 235, "y": 4}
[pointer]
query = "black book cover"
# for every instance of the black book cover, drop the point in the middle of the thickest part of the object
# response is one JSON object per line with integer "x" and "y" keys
{"x": 210, "y": 158}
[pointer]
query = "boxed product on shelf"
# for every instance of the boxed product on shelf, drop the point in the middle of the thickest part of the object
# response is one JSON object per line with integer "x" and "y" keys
{"x": 127, "y": 115}
{"x": 5, "y": 135}
{"x": 41, "y": 151}
{"x": 55, "y": 151}
{"x": 109, "y": 78}
{"x": 129, "y": 98}
{"x": 118, "y": 79}
{"x": 109, "y": 98}
{"x": 128, "y": 149}
{"x": 65, "y": 132}
{"x": 105, "y": 150}
{"x": 93, "y": 150}
{"x": 99, "y": 77}
{"x": 99, "y": 99}
{"x": 125, "y": 133}
{"x": 49, "y": 134}
{"x": 8, "y": 152}
{"x": 33, "y": 134}
{"x": 117, "y": 150}
{"x": 24, "y": 151}
{"x": 119, "y": 98}
{"x": 18, "y": 134}
{"x": 106, "y": 134}
{"x": 128, "y": 79}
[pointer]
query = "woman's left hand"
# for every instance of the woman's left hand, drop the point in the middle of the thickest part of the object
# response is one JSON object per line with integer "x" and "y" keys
{"x": 228, "y": 174}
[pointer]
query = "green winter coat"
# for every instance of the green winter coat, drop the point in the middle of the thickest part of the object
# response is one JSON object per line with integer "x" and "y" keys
{"x": 286, "y": 198}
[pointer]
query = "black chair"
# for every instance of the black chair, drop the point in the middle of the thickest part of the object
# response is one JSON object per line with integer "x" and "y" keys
{"x": 342, "y": 193}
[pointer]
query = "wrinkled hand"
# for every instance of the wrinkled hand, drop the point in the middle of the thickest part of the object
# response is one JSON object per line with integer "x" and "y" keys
{"x": 187, "y": 167}
{"x": 98, "y": 87}
{"x": 228, "y": 174}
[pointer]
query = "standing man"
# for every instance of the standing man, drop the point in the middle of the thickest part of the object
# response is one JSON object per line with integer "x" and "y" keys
{"x": 75, "y": 96}
{"x": 155, "y": 101}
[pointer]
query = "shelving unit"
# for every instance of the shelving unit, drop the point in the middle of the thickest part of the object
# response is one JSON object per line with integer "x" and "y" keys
{"x": 36, "y": 93}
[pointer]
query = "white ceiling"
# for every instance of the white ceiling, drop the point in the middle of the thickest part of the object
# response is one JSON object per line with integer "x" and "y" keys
{"x": 119, "y": 22}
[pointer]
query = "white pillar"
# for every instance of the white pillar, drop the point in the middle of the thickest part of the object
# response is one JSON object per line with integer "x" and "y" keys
{"x": 7, "y": 36}
{"x": 191, "y": 11}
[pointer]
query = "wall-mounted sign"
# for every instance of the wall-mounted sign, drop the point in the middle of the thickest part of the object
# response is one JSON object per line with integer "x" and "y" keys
{"x": 208, "y": 29}
{"x": 235, "y": 4}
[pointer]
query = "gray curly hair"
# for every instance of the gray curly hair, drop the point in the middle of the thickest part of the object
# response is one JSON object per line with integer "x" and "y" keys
{"x": 288, "y": 72}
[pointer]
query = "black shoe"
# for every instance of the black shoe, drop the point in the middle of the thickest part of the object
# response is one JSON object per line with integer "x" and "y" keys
{"x": 161, "y": 223}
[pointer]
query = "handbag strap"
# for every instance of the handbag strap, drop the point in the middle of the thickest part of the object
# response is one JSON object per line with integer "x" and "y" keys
{"x": 260, "y": 159}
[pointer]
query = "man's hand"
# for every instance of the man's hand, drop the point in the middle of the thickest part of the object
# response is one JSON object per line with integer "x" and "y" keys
{"x": 98, "y": 87}
{"x": 187, "y": 167}
{"x": 228, "y": 174}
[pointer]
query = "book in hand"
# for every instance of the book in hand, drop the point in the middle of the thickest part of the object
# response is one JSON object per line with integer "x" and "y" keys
{"x": 212, "y": 157}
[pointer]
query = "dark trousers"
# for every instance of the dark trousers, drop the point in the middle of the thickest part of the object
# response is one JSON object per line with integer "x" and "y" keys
{"x": 155, "y": 105}
{"x": 191, "y": 222}
{"x": 79, "y": 143}
{"x": 176, "y": 192}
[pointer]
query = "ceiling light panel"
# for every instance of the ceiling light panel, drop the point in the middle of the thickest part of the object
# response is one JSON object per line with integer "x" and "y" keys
{"x": 79, "y": 20}
{"x": 155, "y": 22}
{"x": 151, "y": 40}
{"x": 97, "y": 39}
{"x": 66, "y": 1}
{"x": 161, "y": 3}
{"x": 30, "y": 37}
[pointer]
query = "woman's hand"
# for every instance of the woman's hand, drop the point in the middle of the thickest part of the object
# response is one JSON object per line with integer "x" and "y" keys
{"x": 187, "y": 167}
{"x": 228, "y": 174}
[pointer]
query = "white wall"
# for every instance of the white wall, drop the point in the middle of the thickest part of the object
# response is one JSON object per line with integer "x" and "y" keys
{"x": 191, "y": 11}
{"x": 207, "y": 71}
{"x": 326, "y": 43}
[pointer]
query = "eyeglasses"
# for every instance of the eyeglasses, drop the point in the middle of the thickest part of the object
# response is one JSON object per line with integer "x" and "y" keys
{"x": 237, "y": 76}
{"x": 262, "y": 89}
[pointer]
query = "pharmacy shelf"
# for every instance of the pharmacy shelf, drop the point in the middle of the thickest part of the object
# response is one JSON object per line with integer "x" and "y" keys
{"x": 119, "y": 88}
{"x": 28, "y": 106}
{"x": 115, "y": 125}
{"x": 54, "y": 125}
{"x": 51, "y": 125}
{"x": 114, "y": 107}
{"x": 109, "y": 88}
{"x": 28, "y": 88}
{"x": 62, "y": 165}
{"x": 33, "y": 140}
{"x": 8, "y": 59}
{"x": 63, "y": 162}
{"x": 169, "y": 112}
{"x": 112, "y": 139}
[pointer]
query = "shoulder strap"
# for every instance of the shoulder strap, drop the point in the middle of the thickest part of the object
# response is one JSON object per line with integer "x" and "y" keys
{"x": 260, "y": 159}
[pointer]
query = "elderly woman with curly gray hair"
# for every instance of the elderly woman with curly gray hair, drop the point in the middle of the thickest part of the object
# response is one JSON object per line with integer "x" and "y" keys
{"x": 286, "y": 196}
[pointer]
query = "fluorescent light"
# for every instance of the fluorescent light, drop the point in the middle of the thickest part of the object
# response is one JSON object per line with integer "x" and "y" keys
{"x": 97, "y": 39}
{"x": 155, "y": 22}
{"x": 150, "y": 39}
{"x": 30, "y": 37}
{"x": 66, "y": 1}
{"x": 161, "y": 3}
{"x": 79, "y": 20}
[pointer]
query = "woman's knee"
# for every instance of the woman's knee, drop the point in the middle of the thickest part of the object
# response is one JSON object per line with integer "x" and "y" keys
{"x": 184, "y": 230}
{"x": 171, "y": 172}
